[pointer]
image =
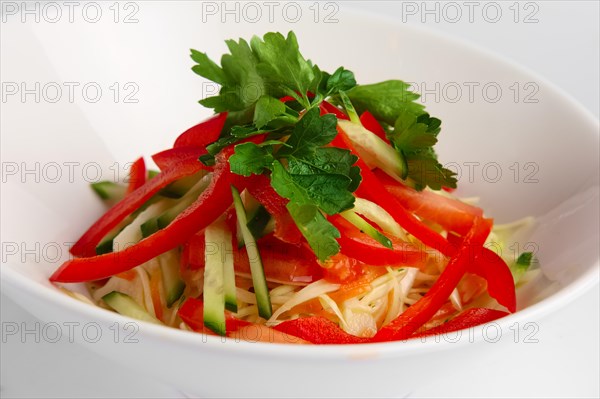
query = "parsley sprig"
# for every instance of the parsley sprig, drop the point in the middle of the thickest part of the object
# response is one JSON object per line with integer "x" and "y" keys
{"x": 316, "y": 178}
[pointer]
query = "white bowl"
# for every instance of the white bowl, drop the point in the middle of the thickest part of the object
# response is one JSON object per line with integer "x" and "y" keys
{"x": 545, "y": 148}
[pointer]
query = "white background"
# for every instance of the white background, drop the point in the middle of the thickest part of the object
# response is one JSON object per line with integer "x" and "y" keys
{"x": 563, "y": 47}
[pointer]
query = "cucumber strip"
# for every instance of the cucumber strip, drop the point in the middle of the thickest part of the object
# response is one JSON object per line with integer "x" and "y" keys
{"x": 109, "y": 192}
{"x": 174, "y": 286}
{"x": 214, "y": 280}
{"x": 252, "y": 206}
{"x": 106, "y": 245}
{"x": 219, "y": 241}
{"x": 162, "y": 220}
{"x": 374, "y": 151}
{"x": 126, "y": 306}
{"x": 379, "y": 216}
{"x": 366, "y": 227}
{"x": 228, "y": 269}
{"x": 180, "y": 187}
{"x": 149, "y": 227}
{"x": 354, "y": 118}
{"x": 261, "y": 290}
{"x": 192, "y": 195}
{"x": 132, "y": 234}
{"x": 259, "y": 221}
{"x": 239, "y": 238}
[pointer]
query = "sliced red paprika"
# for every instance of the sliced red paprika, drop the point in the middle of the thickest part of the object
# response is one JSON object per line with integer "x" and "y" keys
{"x": 497, "y": 275}
{"x": 203, "y": 133}
{"x": 192, "y": 314}
{"x": 318, "y": 330}
{"x": 286, "y": 230}
{"x": 425, "y": 308}
{"x": 364, "y": 248}
{"x": 451, "y": 214}
{"x": 370, "y": 123}
{"x": 209, "y": 205}
{"x": 286, "y": 99}
{"x": 500, "y": 282}
{"x": 327, "y": 108}
{"x": 170, "y": 158}
{"x": 86, "y": 245}
{"x": 137, "y": 175}
{"x": 467, "y": 319}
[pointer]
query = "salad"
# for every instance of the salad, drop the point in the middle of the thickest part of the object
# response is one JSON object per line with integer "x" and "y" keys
{"x": 308, "y": 209}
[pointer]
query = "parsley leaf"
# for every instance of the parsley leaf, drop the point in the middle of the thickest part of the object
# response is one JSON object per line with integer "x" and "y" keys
{"x": 267, "y": 109}
{"x": 425, "y": 170}
{"x": 327, "y": 191}
{"x": 414, "y": 137}
{"x": 281, "y": 64}
{"x": 341, "y": 80}
{"x": 250, "y": 158}
{"x": 207, "y": 68}
{"x": 415, "y": 132}
{"x": 270, "y": 66}
{"x": 320, "y": 234}
{"x": 317, "y": 179}
{"x": 329, "y": 160}
{"x": 241, "y": 83}
{"x": 312, "y": 131}
{"x": 385, "y": 100}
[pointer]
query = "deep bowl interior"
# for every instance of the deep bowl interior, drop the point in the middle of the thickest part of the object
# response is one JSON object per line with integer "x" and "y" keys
{"x": 532, "y": 156}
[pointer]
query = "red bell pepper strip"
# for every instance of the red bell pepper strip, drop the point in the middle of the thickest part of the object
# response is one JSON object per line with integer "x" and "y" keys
{"x": 286, "y": 99}
{"x": 86, "y": 245}
{"x": 286, "y": 230}
{"x": 500, "y": 282}
{"x": 203, "y": 133}
{"x": 327, "y": 108}
{"x": 192, "y": 314}
{"x": 467, "y": 319}
{"x": 495, "y": 271}
{"x": 137, "y": 175}
{"x": 170, "y": 158}
{"x": 318, "y": 330}
{"x": 370, "y": 123}
{"x": 371, "y": 188}
{"x": 364, "y": 248}
{"x": 425, "y": 308}
{"x": 451, "y": 214}
{"x": 209, "y": 205}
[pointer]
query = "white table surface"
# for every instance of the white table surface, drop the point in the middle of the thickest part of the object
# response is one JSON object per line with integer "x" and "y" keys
{"x": 562, "y": 46}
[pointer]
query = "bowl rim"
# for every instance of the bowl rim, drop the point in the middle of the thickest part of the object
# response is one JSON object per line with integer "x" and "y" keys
{"x": 234, "y": 347}
{"x": 561, "y": 298}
